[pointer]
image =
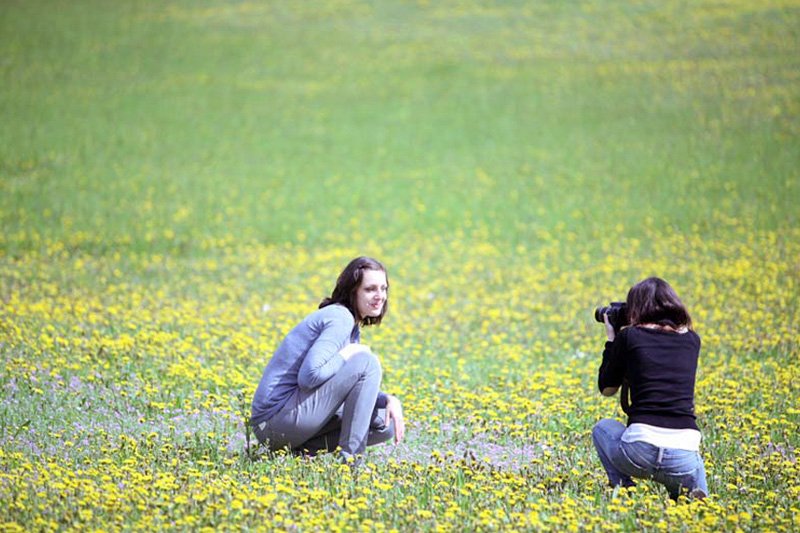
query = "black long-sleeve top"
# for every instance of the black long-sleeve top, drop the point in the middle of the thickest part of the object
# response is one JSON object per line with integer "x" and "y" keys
{"x": 660, "y": 367}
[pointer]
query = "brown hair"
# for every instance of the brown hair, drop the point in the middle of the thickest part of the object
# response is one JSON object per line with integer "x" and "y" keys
{"x": 347, "y": 284}
{"x": 653, "y": 301}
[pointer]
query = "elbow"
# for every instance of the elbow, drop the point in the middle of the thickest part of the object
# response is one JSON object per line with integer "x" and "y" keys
{"x": 307, "y": 381}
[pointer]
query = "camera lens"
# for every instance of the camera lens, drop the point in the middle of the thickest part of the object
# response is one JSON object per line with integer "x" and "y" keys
{"x": 599, "y": 312}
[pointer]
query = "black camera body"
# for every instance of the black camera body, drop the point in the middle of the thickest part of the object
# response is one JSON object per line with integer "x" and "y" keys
{"x": 617, "y": 313}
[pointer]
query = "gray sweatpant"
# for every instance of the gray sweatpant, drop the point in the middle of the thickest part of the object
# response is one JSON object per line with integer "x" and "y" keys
{"x": 340, "y": 411}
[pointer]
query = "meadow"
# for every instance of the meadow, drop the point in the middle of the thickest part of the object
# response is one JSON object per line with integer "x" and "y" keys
{"x": 182, "y": 181}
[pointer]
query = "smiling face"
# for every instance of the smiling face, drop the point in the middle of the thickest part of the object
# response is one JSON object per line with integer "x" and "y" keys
{"x": 371, "y": 294}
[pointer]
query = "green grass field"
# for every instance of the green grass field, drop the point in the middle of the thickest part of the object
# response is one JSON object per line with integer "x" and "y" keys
{"x": 181, "y": 182}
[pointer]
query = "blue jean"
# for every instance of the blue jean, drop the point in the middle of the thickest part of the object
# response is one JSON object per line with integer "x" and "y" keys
{"x": 676, "y": 469}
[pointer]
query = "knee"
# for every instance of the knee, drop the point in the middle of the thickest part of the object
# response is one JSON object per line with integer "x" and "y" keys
{"x": 598, "y": 428}
{"x": 367, "y": 363}
{"x": 608, "y": 425}
{"x": 605, "y": 428}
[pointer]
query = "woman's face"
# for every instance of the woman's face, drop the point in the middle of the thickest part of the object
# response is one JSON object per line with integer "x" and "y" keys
{"x": 371, "y": 294}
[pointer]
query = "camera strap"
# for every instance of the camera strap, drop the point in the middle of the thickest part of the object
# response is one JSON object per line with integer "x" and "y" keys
{"x": 624, "y": 397}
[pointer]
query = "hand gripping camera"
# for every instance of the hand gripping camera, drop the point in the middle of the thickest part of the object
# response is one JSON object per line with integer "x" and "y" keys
{"x": 617, "y": 314}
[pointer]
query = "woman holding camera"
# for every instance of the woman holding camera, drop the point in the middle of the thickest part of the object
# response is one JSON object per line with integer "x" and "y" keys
{"x": 320, "y": 390}
{"x": 655, "y": 356}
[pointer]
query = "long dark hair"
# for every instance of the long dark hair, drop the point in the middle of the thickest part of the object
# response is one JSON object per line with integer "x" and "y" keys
{"x": 347, "y": 284}
{"x": 653, "y": 301}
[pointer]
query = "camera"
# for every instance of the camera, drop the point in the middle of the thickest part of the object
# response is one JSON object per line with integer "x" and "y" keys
{"x": 617, "y": 314}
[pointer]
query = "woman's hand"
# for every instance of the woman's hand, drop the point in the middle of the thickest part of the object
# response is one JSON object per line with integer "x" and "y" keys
{"x": 394, "y": 411}
{"x": 609, "y": 328}
{"x": 351, "y": 349}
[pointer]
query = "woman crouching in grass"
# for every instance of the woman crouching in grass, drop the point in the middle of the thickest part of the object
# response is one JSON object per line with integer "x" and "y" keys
{"x": 656, "y": 356}
{"x": 320, "y": 390}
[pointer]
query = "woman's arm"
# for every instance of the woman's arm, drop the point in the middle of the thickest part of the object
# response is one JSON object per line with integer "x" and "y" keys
{"x": 612, "y": 369}
{"x": 394, "y": 411}
{"x": 323, "y": 359}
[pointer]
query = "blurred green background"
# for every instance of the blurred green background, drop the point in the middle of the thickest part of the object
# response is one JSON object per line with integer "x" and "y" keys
{"x": 182, "y": 181}
{"x": 184, "y": 126}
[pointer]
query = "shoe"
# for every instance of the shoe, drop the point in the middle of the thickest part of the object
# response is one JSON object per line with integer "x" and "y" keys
{"x": 625, "y": 483}
{"x": 697, "y": 494}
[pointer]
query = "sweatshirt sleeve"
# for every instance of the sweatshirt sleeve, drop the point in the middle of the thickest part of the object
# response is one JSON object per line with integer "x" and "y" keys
{"x": 323, "y": 359}
{"x": 612, "y": 369}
